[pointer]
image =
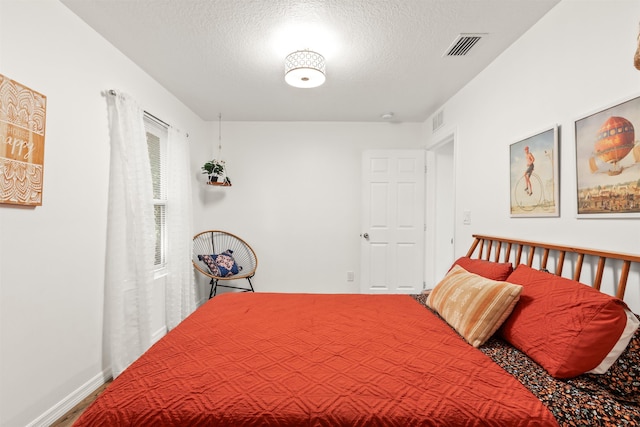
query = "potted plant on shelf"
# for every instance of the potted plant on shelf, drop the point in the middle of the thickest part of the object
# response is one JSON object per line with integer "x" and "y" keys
{"x": 216, "y": 171}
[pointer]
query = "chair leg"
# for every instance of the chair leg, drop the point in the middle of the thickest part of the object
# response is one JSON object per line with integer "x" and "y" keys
{"x": 214, "y": 288}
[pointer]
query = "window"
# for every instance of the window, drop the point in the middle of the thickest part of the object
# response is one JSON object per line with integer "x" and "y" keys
{"x": 157, "y": 145}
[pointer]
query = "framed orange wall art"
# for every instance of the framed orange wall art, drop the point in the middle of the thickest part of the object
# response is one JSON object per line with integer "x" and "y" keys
{"x": 608, "y": 162}
{"x": 22, "y": 129}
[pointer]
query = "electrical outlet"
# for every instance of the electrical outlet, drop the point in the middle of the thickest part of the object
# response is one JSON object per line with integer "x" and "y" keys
{"x": 350, "y": 276}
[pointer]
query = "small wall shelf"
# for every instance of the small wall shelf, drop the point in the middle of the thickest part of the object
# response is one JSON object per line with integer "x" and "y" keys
{"x": 219, "y": 184}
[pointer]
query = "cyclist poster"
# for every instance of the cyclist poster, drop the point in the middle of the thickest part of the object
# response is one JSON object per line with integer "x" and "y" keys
{"x": 534, "y": 179}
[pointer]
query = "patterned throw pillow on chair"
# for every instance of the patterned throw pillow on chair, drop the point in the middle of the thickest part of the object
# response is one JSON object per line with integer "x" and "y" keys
{"x": 221, "y": 265}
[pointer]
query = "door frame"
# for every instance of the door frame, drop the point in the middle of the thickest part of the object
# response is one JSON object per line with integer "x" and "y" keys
{"x": 431, "y": 212}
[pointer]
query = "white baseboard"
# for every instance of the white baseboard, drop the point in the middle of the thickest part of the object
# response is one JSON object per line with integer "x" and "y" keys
{"x": 158, "y": 334}
{"x": 66, "y": 404}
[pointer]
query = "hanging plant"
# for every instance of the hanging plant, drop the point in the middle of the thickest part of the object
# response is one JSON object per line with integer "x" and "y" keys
{"x": 214, "y": 168}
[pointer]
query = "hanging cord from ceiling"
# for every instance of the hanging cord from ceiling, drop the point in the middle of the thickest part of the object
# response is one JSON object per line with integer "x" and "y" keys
{"x": 220, "y": 136}
{"x": 217, "y": 167}
{"x": 636, "y": 58}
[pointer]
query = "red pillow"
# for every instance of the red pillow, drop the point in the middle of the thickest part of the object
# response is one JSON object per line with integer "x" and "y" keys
{"x": 490, "y": 270}
{"x": 565, "y": 326}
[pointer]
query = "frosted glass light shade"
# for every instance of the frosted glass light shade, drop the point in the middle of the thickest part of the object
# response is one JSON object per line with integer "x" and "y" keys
{"x": 304, "y": 69}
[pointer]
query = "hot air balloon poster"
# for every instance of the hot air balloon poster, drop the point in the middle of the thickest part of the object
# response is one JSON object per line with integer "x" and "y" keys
{"x": 608, "y": 162}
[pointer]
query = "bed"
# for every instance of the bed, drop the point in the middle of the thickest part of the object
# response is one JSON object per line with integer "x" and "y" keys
{"x": 489, "y": 345}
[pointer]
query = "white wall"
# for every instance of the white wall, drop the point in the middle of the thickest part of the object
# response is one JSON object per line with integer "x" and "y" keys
{"x": 296, "y": 187}
{"x": 576, "y": 60}
{"x": 52, "y": 256}
{"x": 296, "y": 197}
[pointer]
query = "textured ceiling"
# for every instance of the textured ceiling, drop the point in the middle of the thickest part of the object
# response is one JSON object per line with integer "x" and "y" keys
{"x": 227, "y": 56}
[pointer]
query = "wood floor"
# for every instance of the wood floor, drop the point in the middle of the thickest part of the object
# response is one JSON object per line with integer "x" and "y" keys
{"x": 70, "y": 417}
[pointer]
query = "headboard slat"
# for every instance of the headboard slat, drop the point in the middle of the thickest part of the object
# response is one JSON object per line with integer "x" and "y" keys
{"x": 622, "y": 283}
{"x": 473, "y": 247}
{"x": 598, "y": 279}
{"x": 532, "y": 252}
{"x": 578, "y": 271}
{"x": 489, "y": 247}
{"x": 560, "y": 263}
{"x": 545, "y": 258}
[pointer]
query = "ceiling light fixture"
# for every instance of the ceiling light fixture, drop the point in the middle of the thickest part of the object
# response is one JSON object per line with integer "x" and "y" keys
{"x": 304, "y": 69}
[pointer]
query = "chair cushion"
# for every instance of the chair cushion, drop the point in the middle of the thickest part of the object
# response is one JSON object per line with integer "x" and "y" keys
{"x": 221, "y": 265}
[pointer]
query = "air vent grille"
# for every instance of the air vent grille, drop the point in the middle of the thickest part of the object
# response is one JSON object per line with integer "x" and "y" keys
{"x": 437, "y": 121}
{"x": 463, "y": 44}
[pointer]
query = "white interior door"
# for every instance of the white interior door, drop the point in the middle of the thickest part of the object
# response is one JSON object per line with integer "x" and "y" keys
{"x": 392, "y": 243}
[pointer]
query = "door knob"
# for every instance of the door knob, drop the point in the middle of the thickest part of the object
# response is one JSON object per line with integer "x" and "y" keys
{"x": 365, "y": 235}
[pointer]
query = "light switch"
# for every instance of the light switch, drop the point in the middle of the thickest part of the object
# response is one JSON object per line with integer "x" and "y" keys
{"x": 466, "y": 217}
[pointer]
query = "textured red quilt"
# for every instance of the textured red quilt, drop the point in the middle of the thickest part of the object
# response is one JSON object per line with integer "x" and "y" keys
{"x": 259, "y": 359}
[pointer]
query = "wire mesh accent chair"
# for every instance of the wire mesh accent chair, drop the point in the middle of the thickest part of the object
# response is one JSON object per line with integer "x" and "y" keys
{"x": 223, "y": 256}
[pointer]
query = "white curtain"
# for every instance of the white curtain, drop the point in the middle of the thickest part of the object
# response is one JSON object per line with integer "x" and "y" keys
{"x": 180, "y": 298}
{"x": 130, "y": 236}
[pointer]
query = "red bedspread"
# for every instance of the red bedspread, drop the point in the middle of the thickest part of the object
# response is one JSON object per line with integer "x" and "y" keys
{"x": 257, "y": 359}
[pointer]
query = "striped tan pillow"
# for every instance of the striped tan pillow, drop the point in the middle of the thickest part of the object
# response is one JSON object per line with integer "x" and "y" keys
{"x": 473, "y": 305}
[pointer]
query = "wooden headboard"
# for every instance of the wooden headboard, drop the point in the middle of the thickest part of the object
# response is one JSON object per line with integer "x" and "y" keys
{"x": 500, "y": 249}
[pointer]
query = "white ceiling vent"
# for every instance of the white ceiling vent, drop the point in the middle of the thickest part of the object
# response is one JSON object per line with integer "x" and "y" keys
{"x": 463, "y": 44}
{"x": 437, "y": 121}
